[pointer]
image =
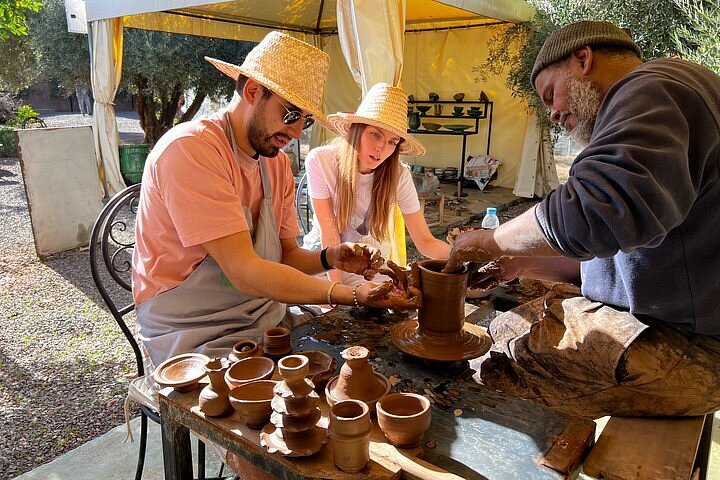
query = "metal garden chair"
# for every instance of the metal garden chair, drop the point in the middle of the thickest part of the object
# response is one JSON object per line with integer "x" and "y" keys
{"x": 111, "y": 246}
{"x": 303, "y": 205}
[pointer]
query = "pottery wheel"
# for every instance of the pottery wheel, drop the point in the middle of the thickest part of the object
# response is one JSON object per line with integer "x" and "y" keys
{"x": 471, "y": 342}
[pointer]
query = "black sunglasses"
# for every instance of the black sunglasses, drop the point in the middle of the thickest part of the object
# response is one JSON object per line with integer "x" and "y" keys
{"x": 293, "y": 116}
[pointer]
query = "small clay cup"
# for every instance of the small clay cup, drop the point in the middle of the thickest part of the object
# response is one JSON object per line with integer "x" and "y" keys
{"x": 249, "y": 370}
{"x": 245, "y": 349}
{"x": 277, "y": 341}
{"x": 349, "y": 429}
{"x": 459, "y": 97}
{"x": 443, "y": 308}
{"x": 403, "y": 418}
{"x": 252, "y": 402}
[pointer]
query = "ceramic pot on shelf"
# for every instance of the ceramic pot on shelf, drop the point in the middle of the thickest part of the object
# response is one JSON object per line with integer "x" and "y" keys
{"x": 213, "y": 398}
{"x": 414, "y": 121}
{"x": 349, "y": 431}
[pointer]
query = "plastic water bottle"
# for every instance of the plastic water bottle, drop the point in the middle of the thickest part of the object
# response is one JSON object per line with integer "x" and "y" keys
{"x": 491, "y": 220}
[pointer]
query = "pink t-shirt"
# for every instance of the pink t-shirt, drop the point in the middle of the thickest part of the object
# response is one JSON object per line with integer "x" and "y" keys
{"x": 193, "y": 191}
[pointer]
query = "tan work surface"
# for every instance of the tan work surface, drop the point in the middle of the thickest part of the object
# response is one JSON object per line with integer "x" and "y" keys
{"x": 645, "y": 448}
{"x": 386, "y": 461}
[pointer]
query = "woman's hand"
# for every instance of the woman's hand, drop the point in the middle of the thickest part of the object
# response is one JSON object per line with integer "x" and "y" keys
{"x": 355, "y": 258}
{"x": 385, "y": 295}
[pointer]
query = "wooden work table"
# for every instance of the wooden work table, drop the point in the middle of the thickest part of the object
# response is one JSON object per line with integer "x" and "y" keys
{"x": 476, "y": 433}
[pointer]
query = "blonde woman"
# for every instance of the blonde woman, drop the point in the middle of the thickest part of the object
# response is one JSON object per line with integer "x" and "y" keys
{"x": 357, "y": 181}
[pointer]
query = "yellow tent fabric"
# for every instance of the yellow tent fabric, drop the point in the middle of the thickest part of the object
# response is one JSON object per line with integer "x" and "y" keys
{"x": 106, "y": 67}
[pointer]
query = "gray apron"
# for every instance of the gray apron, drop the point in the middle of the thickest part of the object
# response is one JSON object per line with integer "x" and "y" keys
{"x": 206, "y": 314}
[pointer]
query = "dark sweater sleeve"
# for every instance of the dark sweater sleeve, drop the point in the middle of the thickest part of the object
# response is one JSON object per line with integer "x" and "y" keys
{"x": 633, "y": 183}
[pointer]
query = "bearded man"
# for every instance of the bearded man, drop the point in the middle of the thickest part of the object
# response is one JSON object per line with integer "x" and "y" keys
{"x": 636, "y": 331}
{"x": 216, "y": 259}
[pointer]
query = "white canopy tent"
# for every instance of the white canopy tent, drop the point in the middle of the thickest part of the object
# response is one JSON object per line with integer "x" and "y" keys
{"x": 421, "y": 45}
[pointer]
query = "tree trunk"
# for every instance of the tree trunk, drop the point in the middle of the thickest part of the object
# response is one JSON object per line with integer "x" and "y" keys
{"x": 194, "y": 107}
{"x": 155, "y": 122}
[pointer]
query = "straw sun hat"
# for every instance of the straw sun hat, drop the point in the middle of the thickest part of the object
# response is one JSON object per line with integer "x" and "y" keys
{"x": 385, "y": 107}
{"x": 289, "y": 67}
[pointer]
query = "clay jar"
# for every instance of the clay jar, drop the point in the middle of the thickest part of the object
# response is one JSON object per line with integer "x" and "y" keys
{"x": 403, "y": 418}
{"x": 244, "y": 349}
{"x": 213, "y": 398}
{"x": 357, "y": 380}
{"x": 349, "y": 430}
{"x": 443, "y": 309}
{"x": 277, "y": 342}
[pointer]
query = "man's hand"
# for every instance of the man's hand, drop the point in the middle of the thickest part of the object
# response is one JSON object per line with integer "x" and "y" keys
{"x": 355, "y": 258}
{"x": 465, "y": 248}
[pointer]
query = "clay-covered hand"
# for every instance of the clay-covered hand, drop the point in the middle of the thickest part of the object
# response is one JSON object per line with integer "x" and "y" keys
{"x": 465, "y": 249}
{"x": 402, "y": 291}
{"x": 375, "y": 259}
{"x": 386, "y": 295}
{"x": 355, "y": 258}
{"x": 455, "y": 231}
{"x": 487, "y": 276}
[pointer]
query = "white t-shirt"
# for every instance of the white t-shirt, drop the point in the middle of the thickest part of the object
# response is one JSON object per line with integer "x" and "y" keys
{"x": 322, "y": 169}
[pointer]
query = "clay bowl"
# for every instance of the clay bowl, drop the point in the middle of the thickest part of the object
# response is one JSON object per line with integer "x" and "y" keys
{"x": 245, "y": 349}
{"x": 182, "y": 372}
{"x": 423, "y": 108}
{"x": 332, "y": 398}
{"x": 456, "y": 127}
{"x": 322, "y": 366}
{"x": 403, "y": 418}
{"x": 458, "y": 97}
{"x": 252, "y": 402}
{"x": 249, "y": 370}
{"x": 431, "y": 126}
{"x": 277, "y": 342}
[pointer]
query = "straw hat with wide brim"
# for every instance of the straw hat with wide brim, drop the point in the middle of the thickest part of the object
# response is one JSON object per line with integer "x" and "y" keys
{"x": 385, "y": 107}
{"x": 289, "y": 67}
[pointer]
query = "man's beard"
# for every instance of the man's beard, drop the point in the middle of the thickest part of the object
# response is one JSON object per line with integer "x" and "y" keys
{"x": 260, "y": 139}
{"x": 584, "y": 100}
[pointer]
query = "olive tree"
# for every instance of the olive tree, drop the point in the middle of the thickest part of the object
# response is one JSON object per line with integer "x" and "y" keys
{"x": 157, "y": 66}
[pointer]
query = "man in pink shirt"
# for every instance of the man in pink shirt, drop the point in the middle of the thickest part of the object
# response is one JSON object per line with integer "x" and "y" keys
{"x": 216, "y": 258}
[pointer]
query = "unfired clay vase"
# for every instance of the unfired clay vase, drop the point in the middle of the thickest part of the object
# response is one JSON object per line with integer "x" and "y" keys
{"x": 213, "y": 398}
{"x": 182, "y": 372}
{"x": 357, "y": 380}
{"x": 403, "y": 418}
{"x": 440, "y": 332}
{"x": 244, "y": 349}
{"x": 248, "y": 370}
{"x": 252, "y": 402}
{"x": 276, "y": 342}
{"x": 349, "y": 430}
{"x": 294, "y": 432}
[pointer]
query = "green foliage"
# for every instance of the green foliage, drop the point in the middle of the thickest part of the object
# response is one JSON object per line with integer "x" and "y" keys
{"x": 23, "y": 113}
{"x": 8, "y": 142}
{"x": 13, "y": 16}
{"x": 18, "y": 69}
{"x": 698, "y": 40}
{"x": 650, "y": 21}
{"x": 62, "y": 56}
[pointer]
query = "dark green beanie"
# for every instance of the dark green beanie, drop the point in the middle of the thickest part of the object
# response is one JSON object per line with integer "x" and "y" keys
{"x": 562, "y": 42}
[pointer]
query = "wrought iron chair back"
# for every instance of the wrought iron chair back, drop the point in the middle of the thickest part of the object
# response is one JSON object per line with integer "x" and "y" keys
{"x": 303, "y": 205}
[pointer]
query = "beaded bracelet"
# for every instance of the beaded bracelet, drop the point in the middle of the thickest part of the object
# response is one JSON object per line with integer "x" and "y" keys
{"x": 329, "y": 295}
{"x": 357, "y": 305}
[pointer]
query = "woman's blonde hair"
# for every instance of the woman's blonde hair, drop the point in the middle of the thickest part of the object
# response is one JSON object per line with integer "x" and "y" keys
{"x": 384, "y": 188}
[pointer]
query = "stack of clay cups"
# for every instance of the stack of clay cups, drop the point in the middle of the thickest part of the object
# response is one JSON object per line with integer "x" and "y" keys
{"x": 294, "y": 430}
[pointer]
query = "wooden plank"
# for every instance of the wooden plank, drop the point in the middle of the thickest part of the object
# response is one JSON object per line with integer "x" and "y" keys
{"x": 646, "y": 448}
{"x": 568, "y": 447}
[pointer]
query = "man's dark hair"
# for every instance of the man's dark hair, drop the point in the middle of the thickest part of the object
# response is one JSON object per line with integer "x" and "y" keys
{"x": 240, "y": 84}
